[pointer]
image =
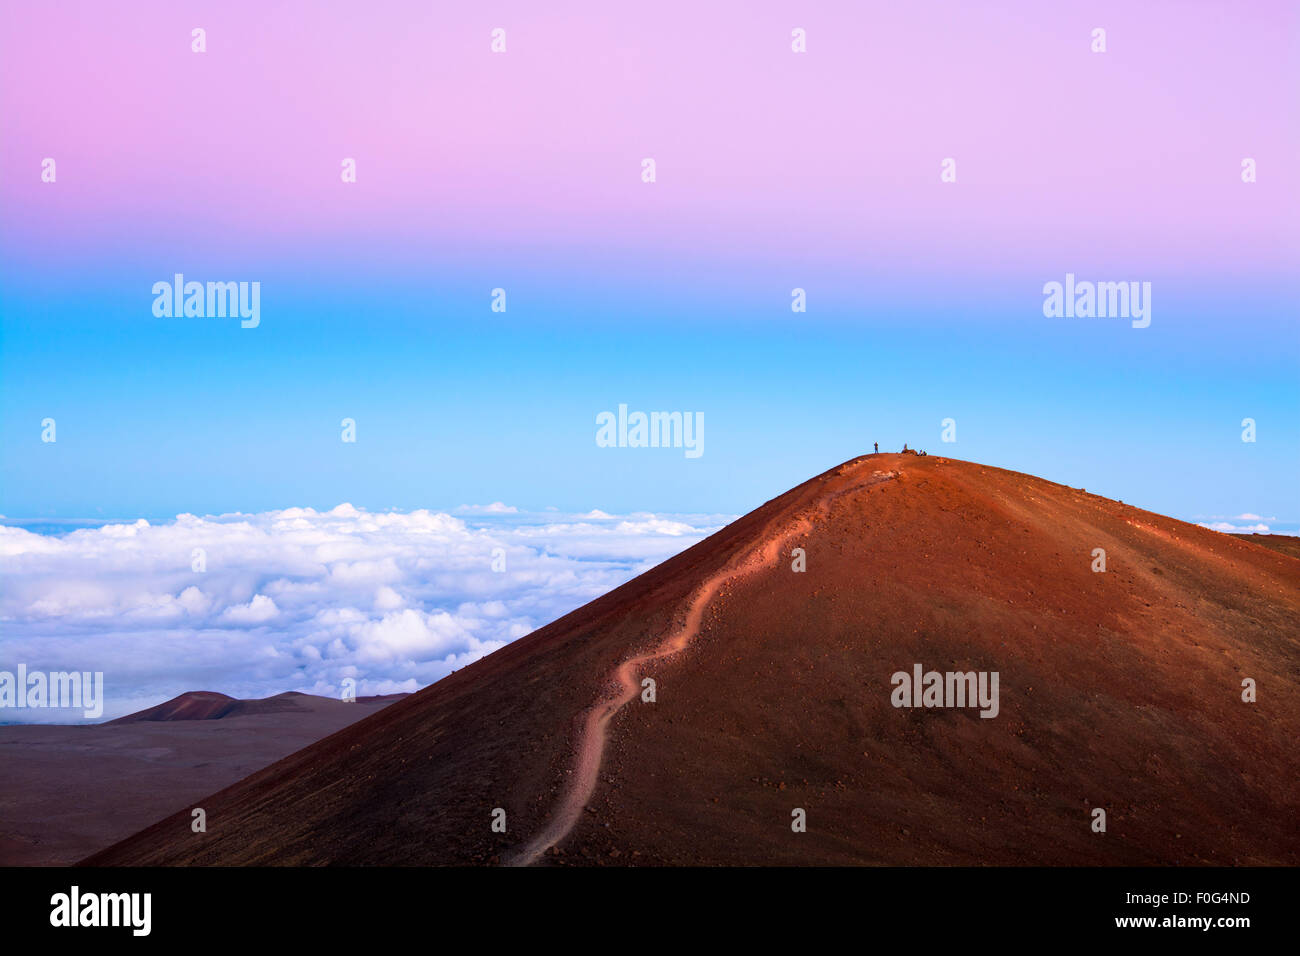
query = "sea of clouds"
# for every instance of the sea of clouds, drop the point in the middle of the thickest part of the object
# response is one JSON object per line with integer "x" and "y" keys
{"x": 300, "y": 599}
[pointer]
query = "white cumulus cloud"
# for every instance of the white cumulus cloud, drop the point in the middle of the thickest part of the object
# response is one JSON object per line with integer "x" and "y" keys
{"x": 299, "y": 599}
{"x": 1236, "y": 528}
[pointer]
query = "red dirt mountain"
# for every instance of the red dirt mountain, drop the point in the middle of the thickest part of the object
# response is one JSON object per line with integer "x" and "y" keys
{"x": 1119, "y": 690}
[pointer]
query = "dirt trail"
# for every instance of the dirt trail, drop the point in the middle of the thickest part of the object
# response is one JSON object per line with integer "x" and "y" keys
{"x": 594, "y": 733}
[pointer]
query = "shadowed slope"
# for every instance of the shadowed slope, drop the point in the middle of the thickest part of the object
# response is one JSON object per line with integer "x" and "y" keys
{"x": 1119, "y": 690}
{"x": 1285, "y": 543}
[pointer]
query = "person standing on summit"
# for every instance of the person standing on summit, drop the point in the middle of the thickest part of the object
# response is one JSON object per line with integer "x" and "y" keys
{"x": 877, "y": 444}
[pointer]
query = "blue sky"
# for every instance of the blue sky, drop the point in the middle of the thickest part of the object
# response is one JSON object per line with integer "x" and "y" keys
{"x": 455, "y": 404}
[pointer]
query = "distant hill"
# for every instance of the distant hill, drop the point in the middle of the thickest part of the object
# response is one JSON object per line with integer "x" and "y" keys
{"x": 207, "y": 705}
{"x": 69, "y": 790}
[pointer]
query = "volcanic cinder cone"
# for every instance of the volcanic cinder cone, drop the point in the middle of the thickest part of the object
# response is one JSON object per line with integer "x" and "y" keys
{"x": 1119, "y": 690}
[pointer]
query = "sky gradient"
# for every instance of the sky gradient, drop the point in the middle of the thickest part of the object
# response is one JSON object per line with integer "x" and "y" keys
{"x": 522, "y": 171}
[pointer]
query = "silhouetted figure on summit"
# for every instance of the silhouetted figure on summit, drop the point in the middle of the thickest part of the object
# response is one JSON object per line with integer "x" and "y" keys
{"x": 877, "y": 444}
{"x": 904, "y": 448}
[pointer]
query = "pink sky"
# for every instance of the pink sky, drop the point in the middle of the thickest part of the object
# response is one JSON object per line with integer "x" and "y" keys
{"x": 1127, "y": 157}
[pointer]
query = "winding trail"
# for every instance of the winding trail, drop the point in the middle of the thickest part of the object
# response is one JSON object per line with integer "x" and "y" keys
{"x": 594, "y": 734}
